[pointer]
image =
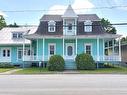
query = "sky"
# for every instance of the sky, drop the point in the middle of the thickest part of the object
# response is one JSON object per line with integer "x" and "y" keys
{"x": 114, "y": 15}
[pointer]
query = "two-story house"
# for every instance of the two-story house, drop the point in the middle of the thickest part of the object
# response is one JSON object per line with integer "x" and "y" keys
{"x": 66, "y": 35}
{"x": 71, "y": 34}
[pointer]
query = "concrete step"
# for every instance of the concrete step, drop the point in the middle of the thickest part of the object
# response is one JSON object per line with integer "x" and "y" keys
{"x": 70, "y": 65}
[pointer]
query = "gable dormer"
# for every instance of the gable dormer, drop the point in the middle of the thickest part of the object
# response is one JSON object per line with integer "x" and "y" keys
{"x": 69, "y": 21}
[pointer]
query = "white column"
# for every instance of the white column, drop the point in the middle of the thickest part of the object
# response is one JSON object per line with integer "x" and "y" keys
{"x": 23, "y": 51}
{"x": 119, "y": 50}
{"x": 113, "y": 46}
{"x": 103, "y": 50}
{"x": 37, "y": 50}
{"x": 98, "y": 57}
{"x": 43, "y": 49}
{"x": 76, "y": 46}
{"x": 31, "y": 48}
{"x": 63, "y": 47}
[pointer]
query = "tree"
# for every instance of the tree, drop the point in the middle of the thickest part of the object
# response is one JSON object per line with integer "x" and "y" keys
{"x": 2, "y": 22}
{"x": 107, "y": 26}
{"x": 13, "y": 25}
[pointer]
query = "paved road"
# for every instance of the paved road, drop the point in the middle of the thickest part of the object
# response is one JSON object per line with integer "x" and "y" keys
{"x": 66, "y": 84}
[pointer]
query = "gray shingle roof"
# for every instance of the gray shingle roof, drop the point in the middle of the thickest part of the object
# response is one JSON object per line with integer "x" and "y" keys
{"x": 81, "y": 17}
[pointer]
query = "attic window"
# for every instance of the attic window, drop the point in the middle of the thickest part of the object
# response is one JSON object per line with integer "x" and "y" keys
{"x": 51, "y": 26}
{"x": 88, "y": 26}
{"x": 17, "y": 35}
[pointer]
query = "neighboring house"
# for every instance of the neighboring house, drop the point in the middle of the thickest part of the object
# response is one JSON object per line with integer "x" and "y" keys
{"x": 11, "y": 44}
{"x": 68, "y": 35}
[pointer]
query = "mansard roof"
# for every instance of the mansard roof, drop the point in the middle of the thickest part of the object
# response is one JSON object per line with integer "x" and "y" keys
{"x": 81, "y": 17}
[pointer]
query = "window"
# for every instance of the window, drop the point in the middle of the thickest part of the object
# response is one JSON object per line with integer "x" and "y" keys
{"x": 6, "y": 52}
{"x": 88, "y": 49}
{"x": 69, "y": 26}
{"x": 51, "y": 26}
{"x": 20, "y": 53}
{"x": 17, "y": 35}
{"x": 51, "y": 49}
{"x": 88, "y": 26}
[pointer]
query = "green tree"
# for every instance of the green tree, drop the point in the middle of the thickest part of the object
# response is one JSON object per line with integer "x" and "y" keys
{"x": 107, "y": 26}
{"x": 2, "y": 22}
{"x": 13, "y": 25}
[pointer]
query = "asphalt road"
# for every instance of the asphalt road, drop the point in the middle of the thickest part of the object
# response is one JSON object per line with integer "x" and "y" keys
{"x": 66, "y": 84}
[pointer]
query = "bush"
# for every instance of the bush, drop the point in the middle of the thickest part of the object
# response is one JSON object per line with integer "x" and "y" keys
{"x": 6, "y": 65}
{"x": 85, "y": 62}
{"x": 56, "y": 63}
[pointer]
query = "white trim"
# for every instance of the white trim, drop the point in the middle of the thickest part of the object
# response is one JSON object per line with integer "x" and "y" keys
{"x": 70, "y": 44}
{"x": 23, "y": 48}
{"x": 76, "y": 47}
{"x": 88, "y": 44}
{"x": 119, "y": 49}
{"x": 103, "y": 49}
{"x": 98, "y": 52}
{"x": 37, "y": 49}
{"x": 63, "y": 47}
{"x": 88, "y": 22}
{"x": 43, "y": 49}
{"x": 49, "y": 48}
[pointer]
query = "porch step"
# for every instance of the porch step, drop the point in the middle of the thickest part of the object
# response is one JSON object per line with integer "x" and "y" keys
{"x": 70, "y": 65}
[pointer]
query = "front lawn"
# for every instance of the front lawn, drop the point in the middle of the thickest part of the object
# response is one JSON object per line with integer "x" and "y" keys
{"x": 36, "y": 70}
{"x": 115, "y": 70}
{"x": 5, "y": 69}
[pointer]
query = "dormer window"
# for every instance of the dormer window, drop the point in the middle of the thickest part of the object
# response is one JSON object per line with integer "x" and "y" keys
{"x": 17, "y": 35}
{"x": 88, "y": 26}
{"x": 51, "y": 26}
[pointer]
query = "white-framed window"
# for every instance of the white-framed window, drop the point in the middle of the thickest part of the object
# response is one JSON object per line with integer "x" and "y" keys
{"x": 6, "y": 52}
{"x": 88, "y": 26}
{"x": 52, "y": 49}
{"x": 17, "y": 35}
{"x": 70, "y": 26}
{"x": 20, "y": 53}
{"x": 88, "y": 49}
{"x": 51, "y": 26}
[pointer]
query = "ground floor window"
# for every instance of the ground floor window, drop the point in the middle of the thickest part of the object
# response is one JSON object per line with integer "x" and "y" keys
{"x": 88, "y": 49}
{"x": 51, "y": 48}
{"x": 20, "y": 53}
{"x": 5, "y": 52}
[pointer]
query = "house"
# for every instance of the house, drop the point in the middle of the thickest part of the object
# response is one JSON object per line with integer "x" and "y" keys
{"x": 68, "y": 35}
{"x": 11, "y": 44}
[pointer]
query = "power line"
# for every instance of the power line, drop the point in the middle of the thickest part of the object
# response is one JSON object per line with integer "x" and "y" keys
{"x": 39, "y": 10}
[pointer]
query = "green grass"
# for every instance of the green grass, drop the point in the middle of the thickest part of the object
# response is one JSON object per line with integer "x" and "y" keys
{"x": 34, "y": 71}
{"x": 115, "y": 70}
{"x": 5, "y": 69}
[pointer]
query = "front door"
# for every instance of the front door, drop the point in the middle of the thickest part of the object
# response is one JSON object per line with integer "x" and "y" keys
{"x": 69, "y": 50}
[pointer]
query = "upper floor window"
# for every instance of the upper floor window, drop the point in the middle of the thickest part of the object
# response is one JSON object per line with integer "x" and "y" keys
{"x": 17, "y": 35}
{"x": 51, "y": 26}
{"x": 69, "y": 26}
{"x": 88, "y": 26}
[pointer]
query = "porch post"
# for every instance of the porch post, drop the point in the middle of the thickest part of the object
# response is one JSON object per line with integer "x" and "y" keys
{"x": 113, "y": 46}
{"x": 43, "y": 48}
{"x": 98, "y": 57}
{"x": 23, "y": 52}
{"x": 23, "y": 48}
{"x": 103, "y": 50}
{"x": 119, "y": 50}
{"x": 63, "y": 47}
{"x": 76, "y": 46}
{"x": 37, "y": 50}
{"x": 30, "y": 48}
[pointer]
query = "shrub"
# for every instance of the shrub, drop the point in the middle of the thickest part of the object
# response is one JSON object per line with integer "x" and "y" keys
{"x": 6, "y": 65}
{"x": 56, "y": 63}
{"x": 85, "y": 62}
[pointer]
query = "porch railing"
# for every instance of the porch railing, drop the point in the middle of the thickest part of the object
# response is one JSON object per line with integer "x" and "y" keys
{"x": 46, "y": 58}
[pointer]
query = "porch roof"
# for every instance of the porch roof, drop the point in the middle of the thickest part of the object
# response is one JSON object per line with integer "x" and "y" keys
{"x": 105, "y": 35}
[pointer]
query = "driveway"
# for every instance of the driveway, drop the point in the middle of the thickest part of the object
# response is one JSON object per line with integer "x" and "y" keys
{"x": 65, "y": 84}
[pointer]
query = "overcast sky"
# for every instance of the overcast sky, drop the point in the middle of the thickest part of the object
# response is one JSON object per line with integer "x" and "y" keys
{"x": 115, "y": 15}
